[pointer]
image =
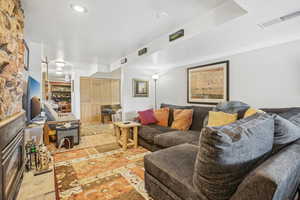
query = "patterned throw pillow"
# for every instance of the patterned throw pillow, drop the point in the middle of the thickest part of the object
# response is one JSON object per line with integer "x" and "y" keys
{"x": 227, "y": 154}
{"x": 147, "y": 117}
{"x": 221, "y": 118}
{"x": 162, "y": 116}
{"x": 183, "y": 119}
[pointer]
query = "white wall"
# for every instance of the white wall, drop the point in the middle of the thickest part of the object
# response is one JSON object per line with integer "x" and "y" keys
{"x": 132, "y": 104}
{"x": 35, "y": 62}
{"x": 262, "y": 78}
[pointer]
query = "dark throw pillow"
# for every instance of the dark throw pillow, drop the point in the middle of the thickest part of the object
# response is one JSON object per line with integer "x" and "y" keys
{"x": 227, "y": 154}
{"x": 286, "y": 132}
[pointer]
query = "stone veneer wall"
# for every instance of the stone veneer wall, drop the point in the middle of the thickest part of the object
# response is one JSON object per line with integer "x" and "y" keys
{"x": 12, "y": 73}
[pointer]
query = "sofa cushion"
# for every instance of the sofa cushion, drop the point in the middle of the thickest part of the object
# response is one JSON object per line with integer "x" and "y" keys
{"x": 285, "y": 132}
{"x": 147, "y": 117}
{"x": 199, "y": 116}
{"x": 252, "y": 111}
{"x": 150, "y": 131}
{"x": 221, "y": 118}
{"x": 295, "y": 119}
{"x": 173, "y": 167}
{"x": 162, "y": 116}
{"x": 183, "y": 119}
{"x": 227, "y": 154}
{"x": 277, "y": 178}
{"x": 177, "y": 137}
{"x": 172, "y": 107}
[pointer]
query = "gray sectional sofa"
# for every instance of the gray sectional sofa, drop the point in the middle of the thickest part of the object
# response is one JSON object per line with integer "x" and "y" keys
{"x": 170, "y": 172}
{"x": 154, "y": 137}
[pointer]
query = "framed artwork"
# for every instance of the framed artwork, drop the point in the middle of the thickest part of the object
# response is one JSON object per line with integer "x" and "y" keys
{"x": 26, "y": 56}
{"x": 208, "y": 84}
{"x": 140, "y": 88}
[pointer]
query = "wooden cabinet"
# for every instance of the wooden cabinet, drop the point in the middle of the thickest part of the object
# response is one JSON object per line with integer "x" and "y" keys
{"x": 97, "y": 92}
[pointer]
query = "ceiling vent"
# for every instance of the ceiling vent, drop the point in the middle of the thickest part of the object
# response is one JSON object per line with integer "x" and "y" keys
{"x": 280, "y": 19}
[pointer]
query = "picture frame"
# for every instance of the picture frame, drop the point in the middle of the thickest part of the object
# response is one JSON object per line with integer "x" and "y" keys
{"x": 208, "y": 84}
{"x": 26, "y": 56}
{"x": 140, "y": 88}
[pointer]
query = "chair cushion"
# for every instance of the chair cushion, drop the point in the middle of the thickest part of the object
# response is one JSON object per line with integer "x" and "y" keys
{"x": 174, "y": 167}
{"x": 227, "y": 154}
{"x": 177, "y": 137}
{"x": 150, "y": 131}
{"x": 285, "y": 132}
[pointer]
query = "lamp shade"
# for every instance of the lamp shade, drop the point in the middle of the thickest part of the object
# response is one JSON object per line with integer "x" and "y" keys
{"x": 155, "y": 77}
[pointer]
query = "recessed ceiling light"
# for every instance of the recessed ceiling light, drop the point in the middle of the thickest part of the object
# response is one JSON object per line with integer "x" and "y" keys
{"x": 78, "y": 8}
{"x": 59, "y": 73}
{"x": 160, "y": 15}
{"x": 59, "y": 68}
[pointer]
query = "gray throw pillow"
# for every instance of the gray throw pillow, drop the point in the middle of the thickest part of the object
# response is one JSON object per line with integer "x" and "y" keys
{"x": 286, "y": 132}
{"x": 227, "y": 154}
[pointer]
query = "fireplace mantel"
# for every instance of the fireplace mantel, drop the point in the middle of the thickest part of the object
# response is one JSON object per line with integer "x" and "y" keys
{"x": 11, "y": 119}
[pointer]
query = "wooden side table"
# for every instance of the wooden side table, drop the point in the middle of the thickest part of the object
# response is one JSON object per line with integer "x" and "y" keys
{"x": 122, "y": 132}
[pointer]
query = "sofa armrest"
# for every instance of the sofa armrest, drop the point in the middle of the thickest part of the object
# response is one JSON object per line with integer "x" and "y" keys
{"x": 275, "y": 179}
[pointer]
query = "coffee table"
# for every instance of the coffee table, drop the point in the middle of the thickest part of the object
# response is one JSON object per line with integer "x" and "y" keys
{"x": 122, "y": 132}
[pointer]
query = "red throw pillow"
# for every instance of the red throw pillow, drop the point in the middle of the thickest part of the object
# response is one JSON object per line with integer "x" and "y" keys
{"x": 147, "y": 117}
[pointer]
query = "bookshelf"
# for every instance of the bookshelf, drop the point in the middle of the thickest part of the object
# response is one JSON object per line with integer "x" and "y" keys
{"x": 60, "y": 92}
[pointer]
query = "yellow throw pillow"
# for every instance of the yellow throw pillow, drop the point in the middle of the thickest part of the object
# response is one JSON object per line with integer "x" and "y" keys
{"x": 221, "y": 118}
{"x": 252, "y": 111}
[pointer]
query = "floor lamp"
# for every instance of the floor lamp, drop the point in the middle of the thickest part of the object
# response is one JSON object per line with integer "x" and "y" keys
{"x": 155, "y": 77}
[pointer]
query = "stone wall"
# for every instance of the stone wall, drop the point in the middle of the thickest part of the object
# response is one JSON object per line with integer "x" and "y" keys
{"x": 12, "y": 73}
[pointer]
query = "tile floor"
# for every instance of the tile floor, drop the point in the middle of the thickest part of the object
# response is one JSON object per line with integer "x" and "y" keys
{"x": 42, "y": 187}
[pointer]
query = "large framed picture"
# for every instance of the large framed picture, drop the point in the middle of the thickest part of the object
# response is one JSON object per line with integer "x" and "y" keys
{"x": 140, "y": 88}
{"x": 208, "y": 84}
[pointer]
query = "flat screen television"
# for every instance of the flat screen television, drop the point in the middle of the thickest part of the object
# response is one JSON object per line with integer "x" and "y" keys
{"x": 33, "y": 104}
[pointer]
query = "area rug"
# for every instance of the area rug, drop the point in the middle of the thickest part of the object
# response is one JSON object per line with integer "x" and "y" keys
{"x": 103, "y": 172}
{"x": 95, "y": 129}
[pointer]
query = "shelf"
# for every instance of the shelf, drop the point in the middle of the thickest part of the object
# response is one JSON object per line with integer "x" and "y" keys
{"x": 61, "y": 91}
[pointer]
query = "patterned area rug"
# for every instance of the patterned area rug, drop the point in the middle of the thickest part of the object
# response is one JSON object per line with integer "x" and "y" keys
{"x": 103, "y": 172}
{"x": 95, "y": 129}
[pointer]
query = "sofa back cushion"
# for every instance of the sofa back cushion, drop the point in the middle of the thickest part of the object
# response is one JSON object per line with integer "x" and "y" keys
{"x": 286, "y": 132}
{"x": 200, "y": 113}
{"x": 227, "y": 154}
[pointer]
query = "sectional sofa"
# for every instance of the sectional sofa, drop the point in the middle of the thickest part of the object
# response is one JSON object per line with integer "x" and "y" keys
{"x": 170, "y": 171}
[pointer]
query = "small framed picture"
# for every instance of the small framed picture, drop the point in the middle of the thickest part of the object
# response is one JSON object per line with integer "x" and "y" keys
{"x": 140, "y": 88}
{"x": 26, "y": 56}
